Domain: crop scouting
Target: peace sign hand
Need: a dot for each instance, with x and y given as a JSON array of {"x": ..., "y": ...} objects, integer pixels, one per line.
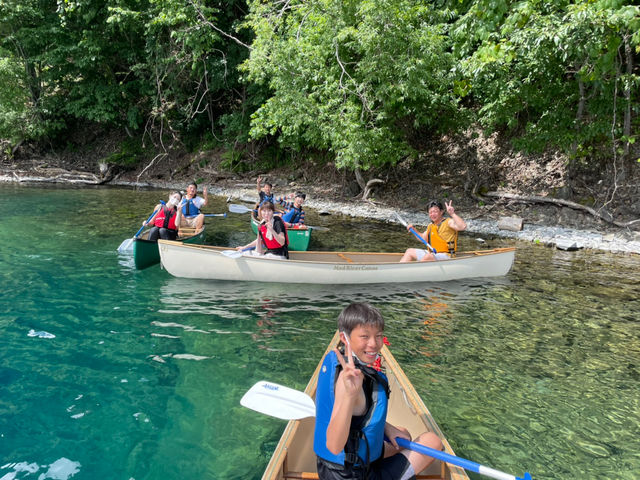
[
  {"x": 449, "y": 207},
  {"x": 349, "y": 381}
]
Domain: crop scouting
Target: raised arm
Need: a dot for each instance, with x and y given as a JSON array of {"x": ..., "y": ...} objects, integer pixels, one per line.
[
  {"x": 348, "y": 394},
  {"x": 457, "y": 223},
  {"x": 205, "y": 196}
]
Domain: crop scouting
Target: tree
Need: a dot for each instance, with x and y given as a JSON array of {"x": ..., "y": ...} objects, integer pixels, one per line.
[{"x": 356, "y": 78}]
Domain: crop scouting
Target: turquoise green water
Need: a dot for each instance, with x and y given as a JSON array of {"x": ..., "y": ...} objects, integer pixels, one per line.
[{"x": 536, "y": 371}]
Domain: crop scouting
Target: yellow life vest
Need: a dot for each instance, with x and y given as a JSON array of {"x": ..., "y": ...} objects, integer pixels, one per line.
[{"x": 442, "y": 237}]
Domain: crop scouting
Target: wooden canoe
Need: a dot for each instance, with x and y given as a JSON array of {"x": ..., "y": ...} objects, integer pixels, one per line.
[
  {"x": 145, "y": 252},
  {"x": 293, "y": 457},
  {"x": 299, "y": 238},
  {"x": 219, "y": 263}
]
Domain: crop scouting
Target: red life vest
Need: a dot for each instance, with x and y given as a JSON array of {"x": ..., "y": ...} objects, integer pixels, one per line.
[
  {"x": 166, "y": 218},
  {"x": 272, "y": 244}
]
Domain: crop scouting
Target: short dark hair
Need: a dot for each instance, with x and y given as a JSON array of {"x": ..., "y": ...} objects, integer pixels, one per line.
[
  {"x": 435, "y": 203},
  {"x": 359, "y": 314},
  {"x": 300, "y": 194},
  {"x": 268, "y": 183},
  {"x": 194, "y": 184}
]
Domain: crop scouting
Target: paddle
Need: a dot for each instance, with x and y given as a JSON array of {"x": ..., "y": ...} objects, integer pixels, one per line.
[
  {"x": 127, "y": 245},
  {"x": 236, "y": 253},
  {"x": 288, "y": 404},
  {"x": 224, "y": 215},
  {"x": 412, "y": 230},
  {"x": 235, "y": 208}
]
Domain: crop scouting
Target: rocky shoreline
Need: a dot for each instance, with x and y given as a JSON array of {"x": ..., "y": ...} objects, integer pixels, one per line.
[{"x": 620, "y": 241}]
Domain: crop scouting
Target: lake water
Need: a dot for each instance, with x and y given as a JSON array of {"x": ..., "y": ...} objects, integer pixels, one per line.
[{"x": 141, "y": 374}]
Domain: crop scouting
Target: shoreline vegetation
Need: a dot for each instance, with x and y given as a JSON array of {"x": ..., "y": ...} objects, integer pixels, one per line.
[{"x": 591, "y": 234}]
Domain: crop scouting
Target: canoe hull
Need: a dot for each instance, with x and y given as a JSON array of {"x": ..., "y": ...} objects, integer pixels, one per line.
[
  {"x": 294, "y": 457},
  {"x": 298, "y": 239},
  {"x": 146, "y": 254},
  {"x": 344, "y": 268}
]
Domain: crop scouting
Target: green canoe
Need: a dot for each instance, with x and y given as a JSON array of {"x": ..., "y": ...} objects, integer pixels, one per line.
[
  {"x": 145, "y": 252},
  {"x": 298, "y": 237}
]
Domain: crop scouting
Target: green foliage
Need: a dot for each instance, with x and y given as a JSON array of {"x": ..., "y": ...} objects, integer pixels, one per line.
[
  {"x": 360, "y": 81},
  {"x": 129, "y": 154},
  {"x": 354, "y": 77},
  {"x": 550, "y": 73}
]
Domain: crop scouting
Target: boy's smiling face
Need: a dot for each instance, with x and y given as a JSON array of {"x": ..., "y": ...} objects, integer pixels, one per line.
[{"x": 366, "y": 342}]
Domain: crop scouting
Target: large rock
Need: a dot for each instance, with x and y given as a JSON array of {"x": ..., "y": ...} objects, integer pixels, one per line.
[{"x": 513, "y": 224}]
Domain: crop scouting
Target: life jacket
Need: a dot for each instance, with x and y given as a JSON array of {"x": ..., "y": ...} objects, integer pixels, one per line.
[
  {"x": 440, "y": 244},
  {"x": 267, "y": 198},
  {"x": 272, "y": 244},
  {"x": 189, "y": 209},
  {"x": 366, "y": 439},
  {"x": 166, "y": 218},
  {"x": 293, "y": 215}
]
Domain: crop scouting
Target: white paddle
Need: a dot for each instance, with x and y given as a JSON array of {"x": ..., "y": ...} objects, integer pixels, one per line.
[
  {"x": 278, "y": 401},
  {"x": 235, "y": 208},
  {"x": 289, "y": 404}
]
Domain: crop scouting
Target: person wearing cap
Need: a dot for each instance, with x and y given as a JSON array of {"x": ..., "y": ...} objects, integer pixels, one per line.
[
  {"x": 191, "y": 205},
  {"x": 441, "y": 234},
  {"x": 165, "y": 219},
  {"x": 293, "y": 215}
]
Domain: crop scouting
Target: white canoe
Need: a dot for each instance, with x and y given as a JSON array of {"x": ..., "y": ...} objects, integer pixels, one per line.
[{"x": 215, "y": 263}]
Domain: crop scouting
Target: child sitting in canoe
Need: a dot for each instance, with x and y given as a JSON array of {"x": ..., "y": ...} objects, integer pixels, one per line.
[
  {"x": 265, "y": 194},
  {"x": 272, "y": 234},
  {"x": 165, "y": 219},
  {"x": 293, "y": 215},
  {"x": 352, "y": 438}
]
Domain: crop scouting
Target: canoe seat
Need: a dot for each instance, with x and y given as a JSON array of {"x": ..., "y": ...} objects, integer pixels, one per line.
[{"x": 186, "y": 232}]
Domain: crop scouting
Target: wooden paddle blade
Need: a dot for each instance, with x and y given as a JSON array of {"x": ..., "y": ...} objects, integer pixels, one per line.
[
  {"x": 278, "y": 401},
  {"x": 126, "y": 246},
  {"x": 235, "y": 208}
]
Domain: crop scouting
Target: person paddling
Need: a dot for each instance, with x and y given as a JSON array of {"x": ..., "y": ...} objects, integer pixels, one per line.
[
  {"x": 165, "y": 220},
  {"x": 441, "y": 234}
]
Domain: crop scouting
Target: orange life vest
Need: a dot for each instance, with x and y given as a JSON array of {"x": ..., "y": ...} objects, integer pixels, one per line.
[{"x": 443, "y": 242}]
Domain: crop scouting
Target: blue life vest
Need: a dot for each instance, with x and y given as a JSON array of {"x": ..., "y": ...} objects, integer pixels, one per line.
[
  {"x": 371, "y": 432},
  {"x": 189, "y": 209},
  {"x": 266, "y": 198},
  {"x": 293, "y": 215}
]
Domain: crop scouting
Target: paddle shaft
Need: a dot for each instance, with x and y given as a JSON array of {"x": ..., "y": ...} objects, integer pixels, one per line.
[
  {"x": 453, "y": 460},
  {"x": 148, "y": 220},
  {"x": 413, "y": 230}
]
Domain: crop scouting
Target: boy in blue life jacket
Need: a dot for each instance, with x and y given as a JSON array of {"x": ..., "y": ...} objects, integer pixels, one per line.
[
  {"x": 351, "y": 409},
  {"x": 293, "y": 215},
  {"x": 191, "y": 205}
]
